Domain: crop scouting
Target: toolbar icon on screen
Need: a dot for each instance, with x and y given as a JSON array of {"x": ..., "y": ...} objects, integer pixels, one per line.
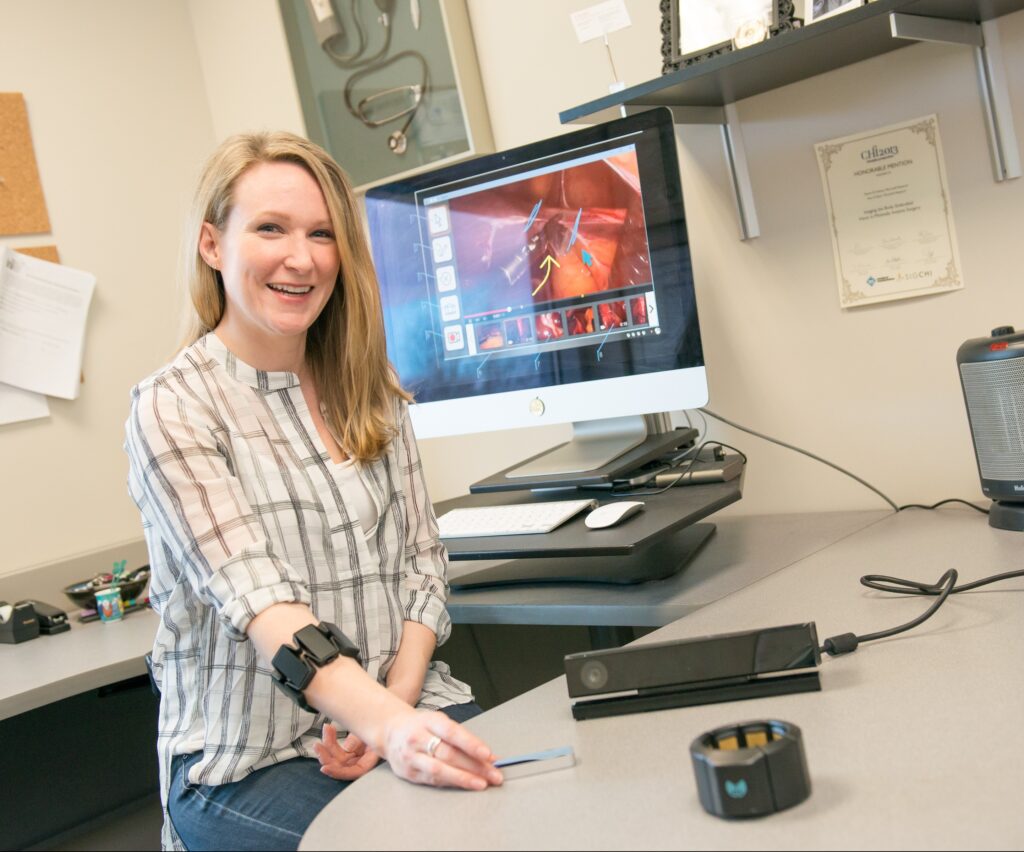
[{"x": 445, "y": 278}]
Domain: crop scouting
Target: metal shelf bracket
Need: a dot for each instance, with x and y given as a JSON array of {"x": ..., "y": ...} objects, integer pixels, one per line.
[
  {"x": 727, "y": 118},
  {"x": 736, "y": 156},
  {"x": 988, "y": 56}
]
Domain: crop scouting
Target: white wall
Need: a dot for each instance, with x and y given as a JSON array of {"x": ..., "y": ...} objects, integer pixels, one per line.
[
  {"x": 122, "y": 118},
  {"x": 120, "y": 123},
  {"x": 246, "y": 67}
]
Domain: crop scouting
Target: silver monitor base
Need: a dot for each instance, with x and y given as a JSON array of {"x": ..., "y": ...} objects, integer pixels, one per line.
[{"x": 594, "y": 444}]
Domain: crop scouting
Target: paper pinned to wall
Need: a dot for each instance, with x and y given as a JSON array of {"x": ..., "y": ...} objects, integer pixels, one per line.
[
  {"x": 599, "y": 20},
  {"x": 22, "y": 205},
  {"x": 49, "y": 253},
  {"x": 43, "y": 311},
  {"x": 17, "y": 405}
]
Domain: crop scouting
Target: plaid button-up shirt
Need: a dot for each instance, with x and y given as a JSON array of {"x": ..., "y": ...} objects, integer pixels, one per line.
[{"x": 242, "y": 508}]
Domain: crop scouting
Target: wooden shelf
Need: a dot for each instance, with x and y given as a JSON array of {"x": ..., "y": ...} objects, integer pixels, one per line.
[{"x": 792, "y": 56}]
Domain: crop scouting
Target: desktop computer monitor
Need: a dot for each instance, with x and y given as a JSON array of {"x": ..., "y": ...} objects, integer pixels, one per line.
[{"x": 551, "y": 283}]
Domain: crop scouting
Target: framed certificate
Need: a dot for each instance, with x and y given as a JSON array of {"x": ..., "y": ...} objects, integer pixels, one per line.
[{"x": 889, "y": 213}]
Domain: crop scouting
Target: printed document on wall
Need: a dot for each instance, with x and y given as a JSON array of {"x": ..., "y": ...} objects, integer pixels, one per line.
[
  {"x": 889, "y": 213},
  {"x": 43, "y": 310}
]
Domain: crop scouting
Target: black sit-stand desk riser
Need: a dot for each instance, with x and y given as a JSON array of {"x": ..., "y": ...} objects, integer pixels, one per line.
[{"x": 652, "y": 545}]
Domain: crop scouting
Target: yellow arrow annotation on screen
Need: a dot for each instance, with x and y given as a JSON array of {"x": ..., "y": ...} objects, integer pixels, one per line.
[{"x": 546, "y": 266}]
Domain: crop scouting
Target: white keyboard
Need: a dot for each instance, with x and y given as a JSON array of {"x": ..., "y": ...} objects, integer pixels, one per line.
[{"x": 523, "y": 519}]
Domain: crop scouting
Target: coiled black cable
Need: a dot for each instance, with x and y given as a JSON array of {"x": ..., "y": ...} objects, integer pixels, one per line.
[{"x": 845, "y": 643}]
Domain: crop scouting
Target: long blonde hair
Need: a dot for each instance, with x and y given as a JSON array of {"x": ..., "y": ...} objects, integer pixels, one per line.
[{"x": 345, "y": 347}]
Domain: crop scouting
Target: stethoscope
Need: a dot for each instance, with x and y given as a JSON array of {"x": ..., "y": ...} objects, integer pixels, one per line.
[{"x": 398, "y": 141}]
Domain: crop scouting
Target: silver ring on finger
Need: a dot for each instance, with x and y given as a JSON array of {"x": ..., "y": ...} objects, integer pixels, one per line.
[{"x": 432, "y": 745}]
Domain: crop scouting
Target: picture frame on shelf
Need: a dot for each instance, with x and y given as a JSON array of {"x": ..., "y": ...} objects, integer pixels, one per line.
[
  {"x": 696, "y": 30},
  {"x": 818, "y": 10}
]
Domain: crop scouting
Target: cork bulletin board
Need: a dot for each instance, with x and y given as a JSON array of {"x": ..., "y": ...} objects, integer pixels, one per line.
[
  {"x": 22, "y": 206},
  {"x": 42, "y": 252}
]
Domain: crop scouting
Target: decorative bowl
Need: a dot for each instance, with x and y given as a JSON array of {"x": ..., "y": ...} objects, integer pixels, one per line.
[{"x": 132, "y": 583}]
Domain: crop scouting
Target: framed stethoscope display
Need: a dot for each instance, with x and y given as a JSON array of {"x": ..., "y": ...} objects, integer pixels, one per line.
[{"x": 389, "y": 87}]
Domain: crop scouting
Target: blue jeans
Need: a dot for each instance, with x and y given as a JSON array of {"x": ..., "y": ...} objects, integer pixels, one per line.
[{"x": 268, "y": 809}]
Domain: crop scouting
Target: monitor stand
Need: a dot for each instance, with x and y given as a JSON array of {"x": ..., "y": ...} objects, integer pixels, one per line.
[{"x": 599, "y": 451}]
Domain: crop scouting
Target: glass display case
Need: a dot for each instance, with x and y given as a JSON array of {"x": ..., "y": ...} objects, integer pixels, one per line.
[{"x": 389, "y": 87}]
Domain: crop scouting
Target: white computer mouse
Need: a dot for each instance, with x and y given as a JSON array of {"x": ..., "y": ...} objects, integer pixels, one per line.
[{"x": 610, "y": 514}]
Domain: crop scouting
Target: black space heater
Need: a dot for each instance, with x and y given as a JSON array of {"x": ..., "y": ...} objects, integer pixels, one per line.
[{"x": 992, "y": 376}]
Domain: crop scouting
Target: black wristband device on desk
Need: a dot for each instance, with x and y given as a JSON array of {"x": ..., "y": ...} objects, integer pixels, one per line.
[{"x": 316, "y": 645}]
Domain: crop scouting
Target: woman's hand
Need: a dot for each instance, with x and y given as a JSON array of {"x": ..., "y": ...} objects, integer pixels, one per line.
[
  {"x": 427, "y": 747},
  {"x": 345, "y": 761}
]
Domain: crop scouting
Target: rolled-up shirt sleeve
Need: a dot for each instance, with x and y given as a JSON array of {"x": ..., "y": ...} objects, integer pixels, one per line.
[
  {"x": 425, "y": 580},
  {"x": 181, "y": 478}
]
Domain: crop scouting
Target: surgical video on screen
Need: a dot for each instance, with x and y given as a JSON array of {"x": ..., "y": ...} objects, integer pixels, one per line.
[{"x": 555, "y": 257}]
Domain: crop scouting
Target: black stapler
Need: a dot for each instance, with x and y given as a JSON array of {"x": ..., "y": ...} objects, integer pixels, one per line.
[{"x": 51, "y": 619}]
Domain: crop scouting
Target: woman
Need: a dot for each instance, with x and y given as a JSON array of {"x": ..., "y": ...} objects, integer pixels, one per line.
[{"x": 281, "y": 493}]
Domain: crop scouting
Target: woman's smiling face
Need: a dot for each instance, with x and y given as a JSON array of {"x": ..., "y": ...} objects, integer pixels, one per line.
[{"x": 277, "y": 255}]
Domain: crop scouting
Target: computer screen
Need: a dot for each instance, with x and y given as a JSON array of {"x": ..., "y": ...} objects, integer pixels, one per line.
[{"x": 546, "y": 284}]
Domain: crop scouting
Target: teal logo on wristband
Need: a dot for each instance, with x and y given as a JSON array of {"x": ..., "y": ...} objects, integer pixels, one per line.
[{"x": 736, "y": 790}]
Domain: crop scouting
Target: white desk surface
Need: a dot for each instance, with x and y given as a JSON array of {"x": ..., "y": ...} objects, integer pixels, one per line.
[
  {"x": 88, "y": 656},
  {"x": 914, "y": 741}
]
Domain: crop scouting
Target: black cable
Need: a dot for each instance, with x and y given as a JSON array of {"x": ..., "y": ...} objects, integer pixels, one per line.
[
  {"x": 842, "y": 470},
  {"x": 702, "y": 430},
  {"x": 345, "y": 60},
  {"x": 845, "y": 643},
  {"x": 974, "y": 506},
  {"x": 881, "y": 583},
  {"x": 356, "y": 58},
  {"x": 804, "y": 452},
  {"x": 689, "y": 460},
  {"x": 740, "y": 453}
]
